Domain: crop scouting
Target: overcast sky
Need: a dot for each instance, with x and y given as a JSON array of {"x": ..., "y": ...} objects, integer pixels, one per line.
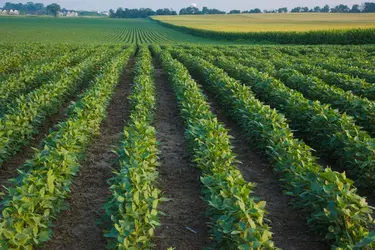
[{"x": 178, "y": 4}]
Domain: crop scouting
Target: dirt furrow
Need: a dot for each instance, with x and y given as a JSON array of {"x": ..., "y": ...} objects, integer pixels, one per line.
[
  {"x": 289, "y": 228},
  {"x": 184, "y": 226},
  {"x": 77, "y": 227}
]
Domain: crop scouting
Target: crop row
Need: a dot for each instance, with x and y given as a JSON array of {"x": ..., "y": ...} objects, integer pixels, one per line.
[
  {"x": 269, "y": 62},
  {"x": 358, "y": 68},
  {"x": 132, "y": 208},
  {"x": 333, "y": 134},
  {"x": 35, "y": 75},
  {"x": 362, "y": 109},
  {"x": 39, "y": 193},
  {"x": 327, "y": 198},
  {"x": 19, "y": 55},
  {"x": 236, "y": 217},
  {"x": 29, "y": 111},
  {"x": 342, "y": 55}
]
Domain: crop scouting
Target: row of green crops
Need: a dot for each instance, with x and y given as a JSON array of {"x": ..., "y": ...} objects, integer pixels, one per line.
[
  {"x": 350, "y": 55},
  {"x": 355, "y": 63},
  {"x": 39, "y": 193},
  {"x": 29, "y": 111},
  {"x": 362, "y": 109},
  {"x": 236, "y": 217},
  {"x": 35, "y": 75},
  {"x": 16, "y": 56},
  {"x": 362, "y": 67},
  {"x": 327, "y": 198},
  {"x": 132, "y": 209},
  {"x": 352, "y": 36},
  {"x": 341, "y": 80},
  {"x": 269, "y": 62},
  {"x": 331, "y": 133}
]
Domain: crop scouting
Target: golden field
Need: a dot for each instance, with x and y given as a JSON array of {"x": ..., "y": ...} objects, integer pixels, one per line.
[{"x": 273, "y": 22}]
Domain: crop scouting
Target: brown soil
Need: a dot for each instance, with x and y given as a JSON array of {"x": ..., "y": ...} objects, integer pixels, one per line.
[
  {"x": 289, "y": 228},
  {"x": 77, "y": 227},
  {"x": 9, "y": 168},
  {"x": 179, "y": 180}
]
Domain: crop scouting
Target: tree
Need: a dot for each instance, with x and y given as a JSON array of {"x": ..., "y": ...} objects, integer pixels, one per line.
[
  {"x": 112, "y": 13},
  {"x": 305, "y": 9},
  {"x": 119, "y": 13},
  {"x": 235, "y": 12},
  {"x": 256, "y": 10},
  {"x": 342, "y": 8},
  {"x": 296, "y": 9},
  {"x": 205, "y": 11},
  {"x": 190, "y": 11},
  {"x": 283, "y": 10},
  {"x": 325, "y": 8},
  {"x": 355, "y": 9},
  {"x": 54, "y": 9},
  {"x": 317, "y": 9},
  {"x": 39, "y": 8},
  {"x": 369, "y": 7}
]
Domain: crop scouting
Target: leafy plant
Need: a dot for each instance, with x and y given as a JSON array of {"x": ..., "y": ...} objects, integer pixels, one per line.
[
  {"x": 39, "y": 193},
  {"x": 327, "y": 198},
  {"x": 132, "y": 208},
  {"x": 29, "y": 111},
  {"x": 236, "y": 217},
  {"x": 333, "y": 134}
]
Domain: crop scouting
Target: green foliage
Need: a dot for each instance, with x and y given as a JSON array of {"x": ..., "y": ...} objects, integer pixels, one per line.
[
  {"x": 132, "y": 208},
  {"x": 237, "y": 218},
  {"x": 28, "y": 112},
  {"x": 54, "y": 9},
  {"x": 38, "y": 194},
  {"x": 314, "y": 88},
  {"x": 14, "y": 57},
  {"x": 34, "y": 74},
  {"x": 327, "y": 198},
  {"x": 333, "y": 134}
]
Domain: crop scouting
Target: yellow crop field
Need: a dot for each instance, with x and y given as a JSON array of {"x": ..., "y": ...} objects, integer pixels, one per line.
[{"x": 273, "y": 22}]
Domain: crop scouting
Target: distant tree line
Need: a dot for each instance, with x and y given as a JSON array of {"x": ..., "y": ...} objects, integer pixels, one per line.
[
  {"x": 139, "y": 13},
  {"x": 368, "y": 7},
  {"x": 40, "y": 9},
  {"x": 27, "y": 8},
  {"x": 195, "y": 11},
  {"x": 31, "y": 8}
]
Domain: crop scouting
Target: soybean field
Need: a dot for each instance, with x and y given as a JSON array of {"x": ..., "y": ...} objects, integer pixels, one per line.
[{"x": 129, "y": 134}]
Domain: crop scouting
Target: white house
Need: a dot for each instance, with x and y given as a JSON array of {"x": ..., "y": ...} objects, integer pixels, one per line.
[{"x": 72, "y": 14}]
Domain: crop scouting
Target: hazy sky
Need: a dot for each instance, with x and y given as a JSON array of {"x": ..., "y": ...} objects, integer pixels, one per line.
[{"x": 178, "y": 4}]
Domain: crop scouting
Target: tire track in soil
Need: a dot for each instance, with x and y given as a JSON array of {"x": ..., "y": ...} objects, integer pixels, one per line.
[
  {"x": 179, "y": 179},
  {"x": 289, "y": 228},
  {"x": 76, "y": 228},
  {"x": 9, "y": 168}
]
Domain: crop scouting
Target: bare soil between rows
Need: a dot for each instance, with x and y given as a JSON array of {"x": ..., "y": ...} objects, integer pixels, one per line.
[
  {"x": 179, "y": 180},
  {"x": 77, "y": 228}
]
